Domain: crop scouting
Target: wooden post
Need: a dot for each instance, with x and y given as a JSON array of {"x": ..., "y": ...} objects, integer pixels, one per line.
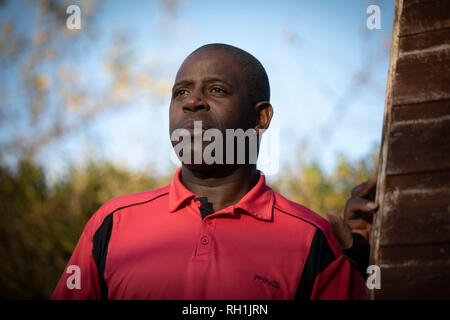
[{"x": 411, "y": 236}]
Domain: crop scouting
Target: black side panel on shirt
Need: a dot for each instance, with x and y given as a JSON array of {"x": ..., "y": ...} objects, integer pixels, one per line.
[
  {"x": 99, "y": 251},
  {"x": 320, "y": 256}
]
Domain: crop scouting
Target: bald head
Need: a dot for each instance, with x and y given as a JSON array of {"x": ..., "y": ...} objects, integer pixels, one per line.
[{"x": 252, "y": 71}]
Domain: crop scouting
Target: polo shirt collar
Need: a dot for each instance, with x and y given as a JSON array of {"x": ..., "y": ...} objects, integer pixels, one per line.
[
  {"x": 258, "y": 202},
  {"x": 178, "y": 194}
]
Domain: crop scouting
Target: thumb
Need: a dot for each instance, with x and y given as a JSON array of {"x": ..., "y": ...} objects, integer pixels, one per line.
[
  {"x": 330, "y": 214},
  {"x": 334, "y": 218},
  {"x": 340, "y": 229}
]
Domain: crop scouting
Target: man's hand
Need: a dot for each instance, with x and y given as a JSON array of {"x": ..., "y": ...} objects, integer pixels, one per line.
[{"x": 358, "y": 214}]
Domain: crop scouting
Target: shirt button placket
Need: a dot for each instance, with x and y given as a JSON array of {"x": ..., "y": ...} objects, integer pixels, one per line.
[
  {"x": 204, "y": 244},
  {"x": 204, "y": 240}
]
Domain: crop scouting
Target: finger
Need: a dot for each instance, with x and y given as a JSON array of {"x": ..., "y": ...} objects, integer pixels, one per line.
[
  {"x": 364, "y": 233},
  {"x": 360, "y": 204},
  {"x": 333, "y": 217},
  {"x": 357, "y": 224},
  {"x": 366, "y": 187},
  {"x": 357, "y": 204},
  {"x": 363, "y": 229},
  {"x": 340, "y": 229}
]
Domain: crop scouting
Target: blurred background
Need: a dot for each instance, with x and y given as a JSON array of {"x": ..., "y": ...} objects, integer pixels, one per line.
[{"x": 84, "y": 113}]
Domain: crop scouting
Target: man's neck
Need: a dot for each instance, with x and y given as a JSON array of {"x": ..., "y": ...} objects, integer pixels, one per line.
[{"x": 222, "y": 189}]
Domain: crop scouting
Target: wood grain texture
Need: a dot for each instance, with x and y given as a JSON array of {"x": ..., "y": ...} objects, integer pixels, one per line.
[
  {"x": 422, "y": 42},
  {"x": 422, "y": 76},
  {"x": 420, "y": 16},
  {"x": 413, "y": 255},
  {"x": 427, "y": 111},
  {"x": 415, "y": 272},
  {"x": 416, "y": 209},
  {"x": 419, "y": 138},
  {"x": 415, "y": 282}
]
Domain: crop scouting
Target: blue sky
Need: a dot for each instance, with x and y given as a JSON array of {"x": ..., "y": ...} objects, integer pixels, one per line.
[{"x": 311, "y": 50}]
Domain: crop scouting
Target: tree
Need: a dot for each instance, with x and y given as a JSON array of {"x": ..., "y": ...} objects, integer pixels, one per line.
[{"x": 45, "y": 95}]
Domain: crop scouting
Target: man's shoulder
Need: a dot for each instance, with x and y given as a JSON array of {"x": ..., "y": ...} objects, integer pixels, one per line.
[
  {"x": 299, "y": 211},
  {"x": 127, "y": 200},
  {"x": 304, "y": 216},
  {"x": 123, "y": 202}
]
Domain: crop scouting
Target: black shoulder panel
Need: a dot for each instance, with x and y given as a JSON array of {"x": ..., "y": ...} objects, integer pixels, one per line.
[
  {"x": 99, "y": 251},
  {"x": 320, "y": 256}
]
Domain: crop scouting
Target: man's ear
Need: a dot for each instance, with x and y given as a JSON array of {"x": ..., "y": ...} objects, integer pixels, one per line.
[{"x": 264, "y": 112}]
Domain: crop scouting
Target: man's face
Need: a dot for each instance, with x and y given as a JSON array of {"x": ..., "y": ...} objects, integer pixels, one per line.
[{"x": 209, "y": 87}]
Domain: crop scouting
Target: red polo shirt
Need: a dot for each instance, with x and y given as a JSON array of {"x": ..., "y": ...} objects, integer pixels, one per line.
[{"x": 156, "y": 245}]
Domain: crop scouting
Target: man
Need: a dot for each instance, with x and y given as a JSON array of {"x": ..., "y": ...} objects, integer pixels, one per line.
[{"x": 217, "y": 231}]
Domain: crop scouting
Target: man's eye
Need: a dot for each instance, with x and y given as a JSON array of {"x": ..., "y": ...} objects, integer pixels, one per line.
[
  {"x": 217, "y": 89},
  {"x": 180, "y": 92}
]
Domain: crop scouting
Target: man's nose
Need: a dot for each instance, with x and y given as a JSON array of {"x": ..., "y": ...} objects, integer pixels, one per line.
[{"x": 195, "y": 103}]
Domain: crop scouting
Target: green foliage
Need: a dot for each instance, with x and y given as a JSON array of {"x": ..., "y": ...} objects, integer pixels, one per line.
[
  {"x": 309, "y": 185},
  {"x": 41, "y": 223}
]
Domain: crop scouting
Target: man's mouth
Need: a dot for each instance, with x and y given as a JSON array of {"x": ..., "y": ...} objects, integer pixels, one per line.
[
  {"x": 196, "y": 127},
  {"x": 195, "y": 132}
]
